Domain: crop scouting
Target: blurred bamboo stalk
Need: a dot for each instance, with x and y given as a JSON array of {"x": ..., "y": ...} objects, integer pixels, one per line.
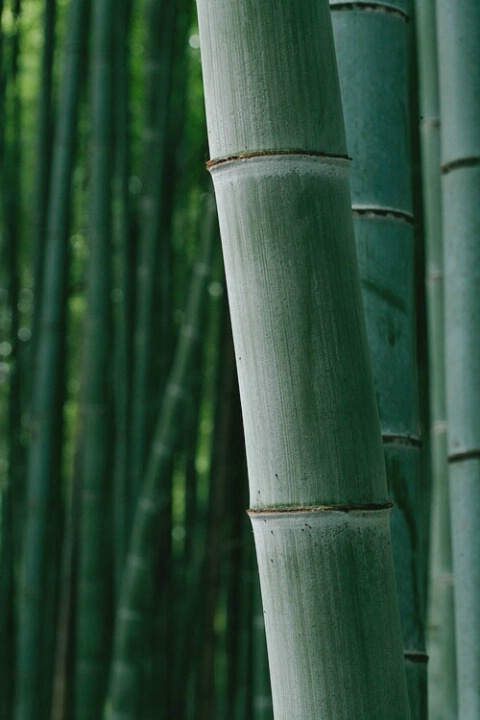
[
  {"x": 372, "y": 54},
  {"x": 47, "y": 395},
  {"x": 440, "y": 627},
  {"x": 152, "y": 268},
  {"x": 458, "y": 40},
  {"x": 11, "y": 485},
  {"x": 93, "y": 606},
  {"x": 137, "y": 584},
  {"x": 43, "y": 166},
  {"x": 123, "y": 279}
]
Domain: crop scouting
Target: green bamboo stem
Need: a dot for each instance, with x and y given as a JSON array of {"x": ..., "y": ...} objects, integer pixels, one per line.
[
  {"x": 7, "y": 615},
  {"x": 245, "y": 575},
  {"x": 62, "y": 694},
  {"x": 160, "y": 18},
  {"x": 185, "y": 582},
  {"x": 316, "y": 469},
  {"x": 458, "y": 38},
  {"x": 94, "y": 580},
  {"x": 43, "y": 153},
  {"x": 262, "y": 693},
  {"x": 372, "y": 55},
  {"x": 139, "y": 570},
  {"x": 440, "y": 627},
  {"x": 123, "y": 282},
  {"x": 43, "y": 461},
  {"x": 10, "y": 250}
]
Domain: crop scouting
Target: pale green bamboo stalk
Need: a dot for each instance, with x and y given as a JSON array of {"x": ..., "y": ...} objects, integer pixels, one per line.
[
  {"x": 458, "y": 26},
  {"x": 317, "y": 482},
  {"x": 94, "y": 579},
  {"x": 372, "y": 54},
  {"x": 47, "y": 386},
  {"x": 440, "y": 626},
  {"x": 135, "y": 595}
]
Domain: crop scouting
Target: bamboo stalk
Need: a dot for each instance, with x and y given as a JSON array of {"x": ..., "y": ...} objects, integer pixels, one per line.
[
  {"x": 123, "y": 282},
  {"x": 44, "y": 455},
  {"x": 317, "y": 484},
  {"x": 125, "y": 676},
  {"x": 458, "y": 38},
  {"x": 42, "y": 174},
  {"x": 440, "y": 627},
  {"x": 10, "y": 250},
  {"x": 94, "y": 579},
  {"x": 372, "y": 55},
  {"x": 152, "y": 246}
]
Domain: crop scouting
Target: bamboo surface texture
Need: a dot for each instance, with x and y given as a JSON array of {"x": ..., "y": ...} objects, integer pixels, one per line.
[
  {"x": 317, "y": 486},
  {"x": 442, "y": 700},
  {"x": 372, "y": 53},
  {"x": 458, "y": 26}
]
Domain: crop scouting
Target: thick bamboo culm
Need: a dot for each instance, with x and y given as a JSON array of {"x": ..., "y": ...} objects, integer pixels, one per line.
[
  {"x": 371, "y": 41},
  {"x": 318, "y": 494},
  {"x": 458, "y": 26},
  {"x": 442, "y": 694}
]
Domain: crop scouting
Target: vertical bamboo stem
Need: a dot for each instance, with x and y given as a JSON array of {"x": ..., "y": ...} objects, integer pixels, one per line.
[
  {"x": 372, "y": 53},
  {"x": 10, "y": 250},
  {"x": 94, "y": 581},
  {"x": 123, "y": 283},
  {"x": 458, "y": 26},
  {"x": 317, "y": 483},
  {"x": 44, "y": 455},
  {"x": 135, "y": 594},
  {"x": 42, "y": 174},
  {"x": 160, "y": 31},
  {"x": 440, "y": 627}
]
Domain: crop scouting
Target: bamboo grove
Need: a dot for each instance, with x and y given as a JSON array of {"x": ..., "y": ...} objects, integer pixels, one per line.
[{"x": 343, "y": 150}]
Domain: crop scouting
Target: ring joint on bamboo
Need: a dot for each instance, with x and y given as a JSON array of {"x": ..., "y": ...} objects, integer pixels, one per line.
[
  {"x": 440, "y": 427},
  {"x": 240, "y": 157},
  {"x": 383, "y": 212},
  {"x": 370, "y": 7},
  {"x": 434, "y": 277},
  {"x": 392, "y": 439},
  {"x": 464, "y": 455},
  {"x": 459, "y": 164},
  {"x": 415, "y": 656},
  {"x": 430, "y": 123},
  {"x": 282, "y": 510}
]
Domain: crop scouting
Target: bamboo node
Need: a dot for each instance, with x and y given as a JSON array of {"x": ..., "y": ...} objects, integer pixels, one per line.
[
  {"x": 416, "y": 656},
  {"x": 460, "y": 163},
  {"x": 370, "y": 7},
  {"x": 473, "y": 454},
  {"x": 212, "y": 164},
  {"x": 282, "y": 509},
  {"x": 382, "y": 212},
  {"x": 392, "y": 439}
]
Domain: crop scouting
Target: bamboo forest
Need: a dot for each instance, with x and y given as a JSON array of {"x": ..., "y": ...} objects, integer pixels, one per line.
[{"x": 239, "y": 360}]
